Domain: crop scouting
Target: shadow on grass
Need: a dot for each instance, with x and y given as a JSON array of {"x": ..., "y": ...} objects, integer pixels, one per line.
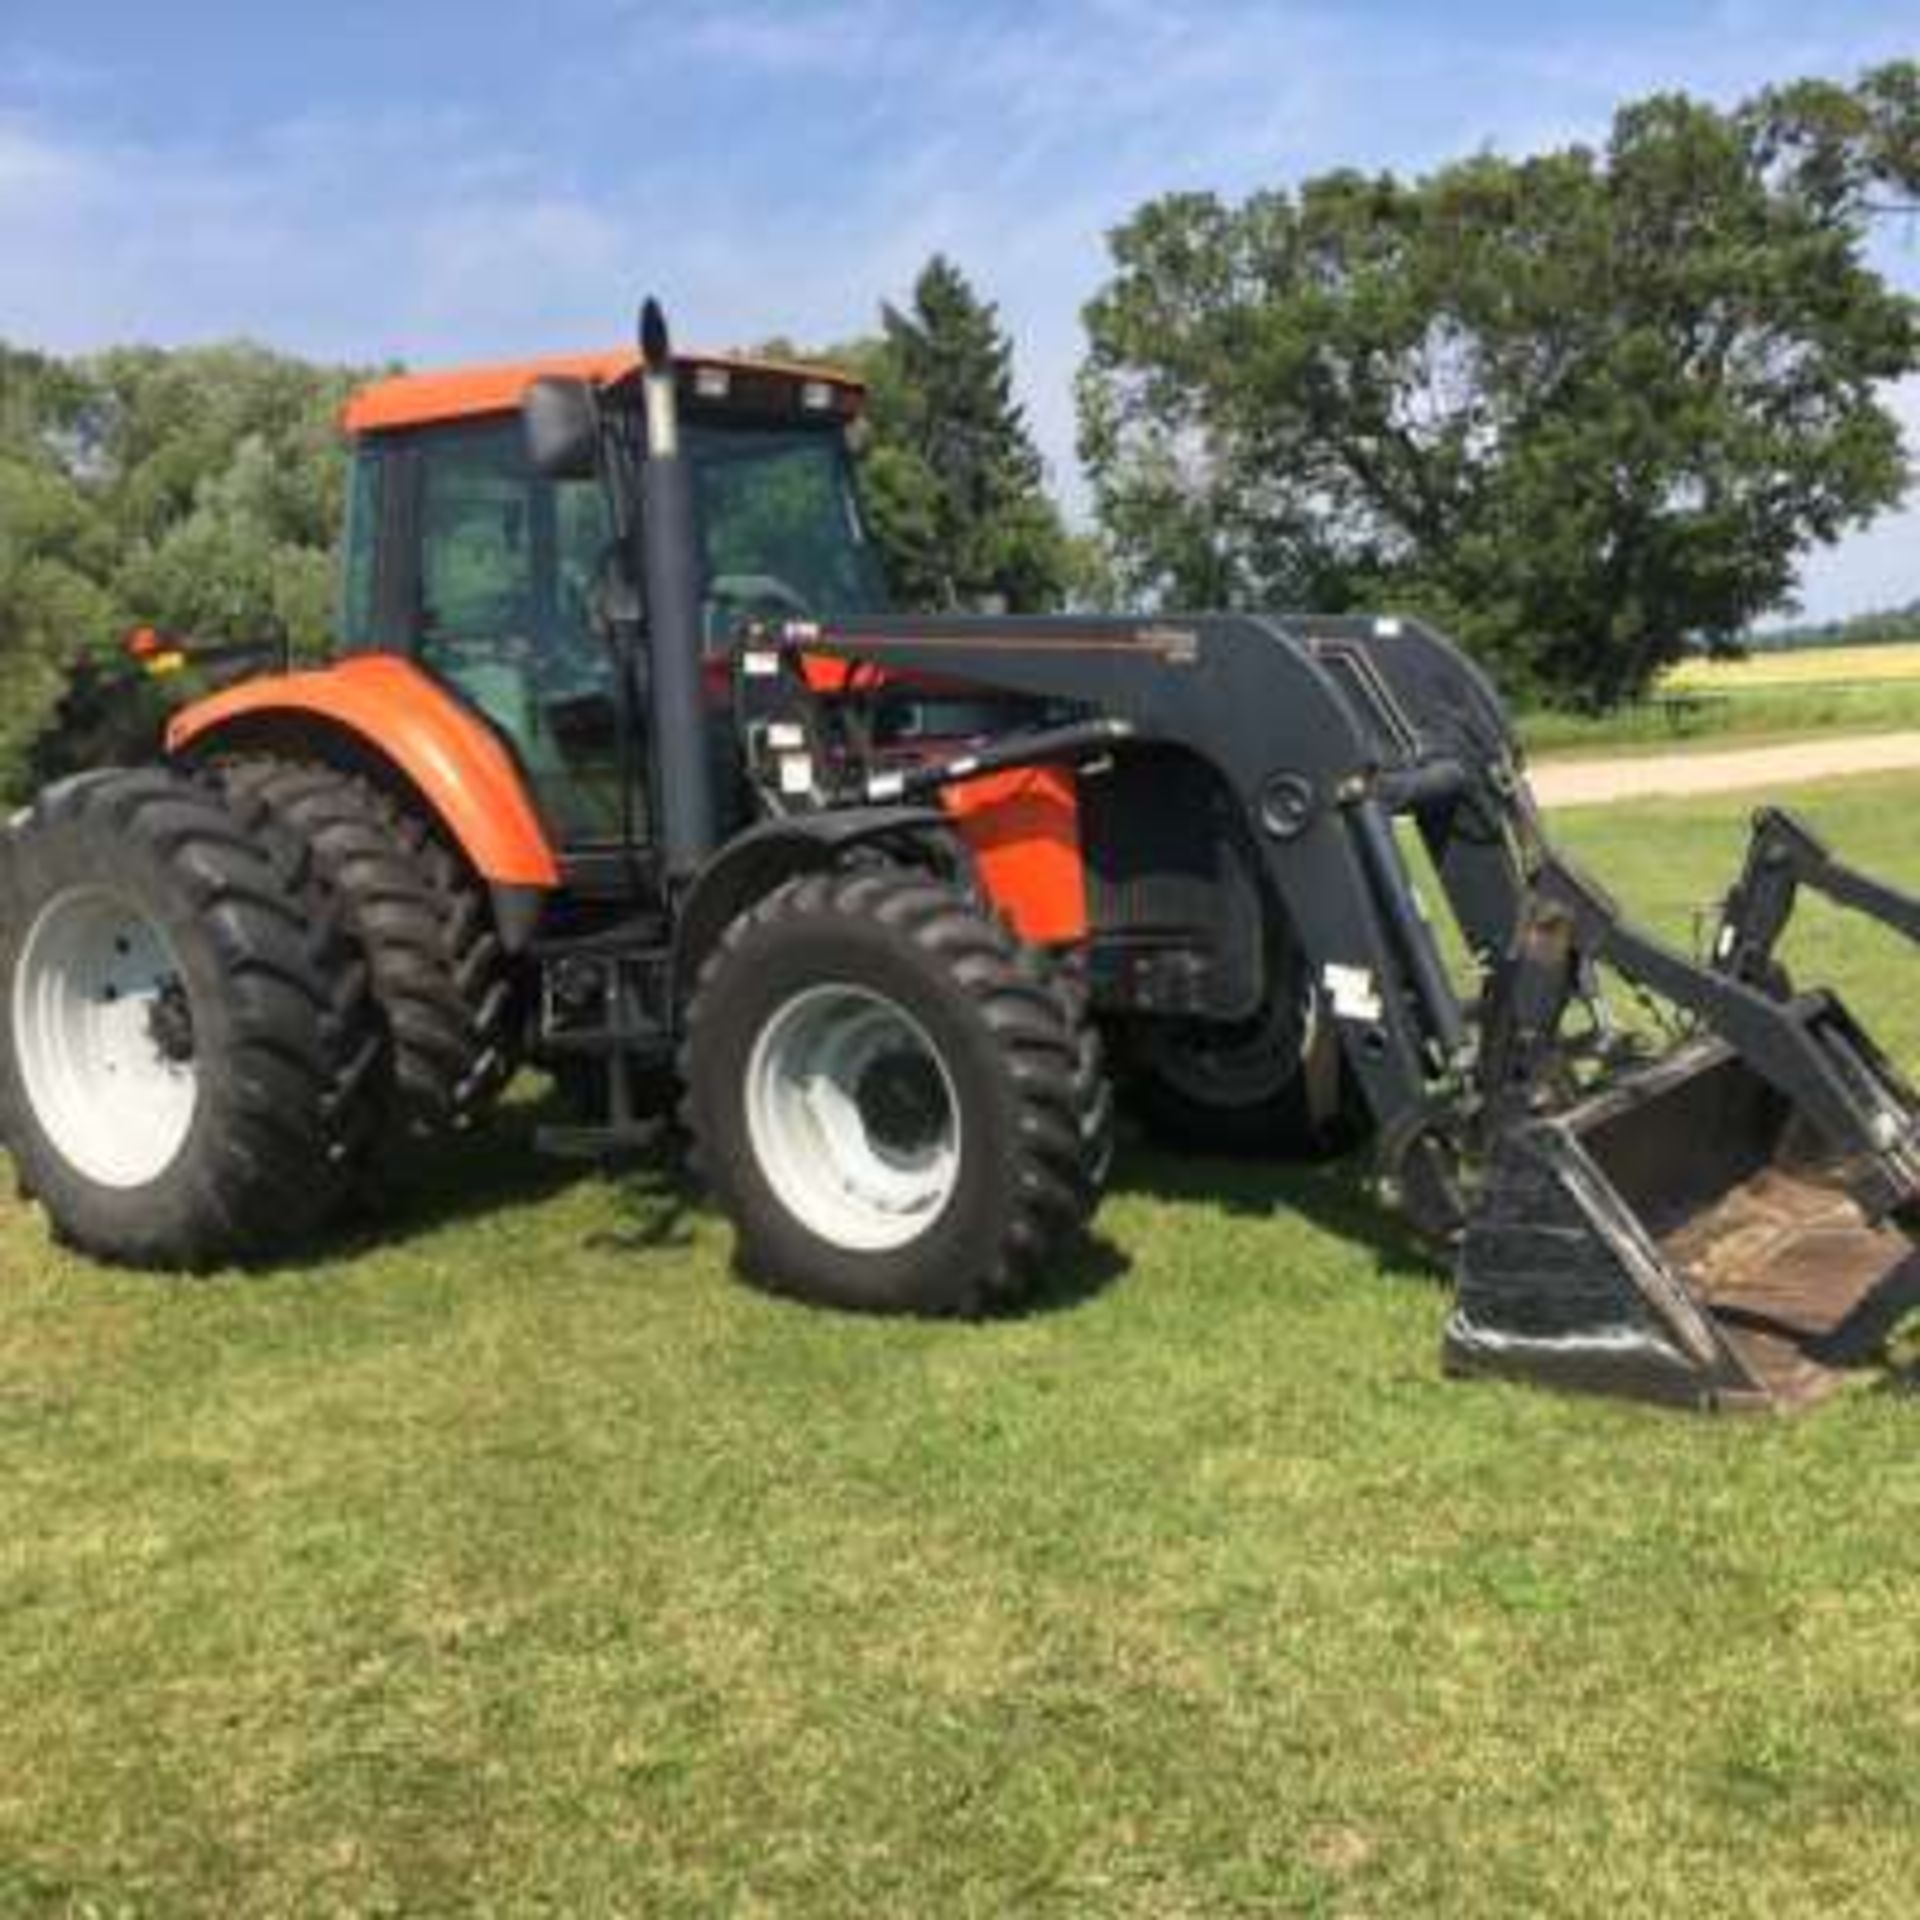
[
  {"x": 1094, "y": 1265},
  {"x": 472, "y": 1176},
  {"x": 1331, "y": 1194},
  {"x": 496, "y": 1170},
  {"x": 657, "y": 1202}
]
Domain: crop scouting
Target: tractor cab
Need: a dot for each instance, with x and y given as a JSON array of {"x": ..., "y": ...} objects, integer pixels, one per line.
[{"x": 505, "y": 583}]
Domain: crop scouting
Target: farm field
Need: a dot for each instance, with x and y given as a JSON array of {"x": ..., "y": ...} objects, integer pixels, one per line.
[
  {"x": 1824, "y": 666},
  {"x": 516, "y": 1560},
  {"x": 1779, "y": 696}
]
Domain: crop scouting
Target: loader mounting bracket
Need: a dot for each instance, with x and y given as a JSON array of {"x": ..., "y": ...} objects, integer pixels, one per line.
[{"x": 1784, "y": 855}]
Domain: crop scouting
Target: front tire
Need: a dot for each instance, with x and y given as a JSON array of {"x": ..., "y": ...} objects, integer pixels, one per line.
[
  {"x": 897, "y": 1113},
  {"x": 190, "y": 1063}
]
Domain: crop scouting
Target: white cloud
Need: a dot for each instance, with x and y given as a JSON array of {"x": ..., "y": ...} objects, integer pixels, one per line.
[
  {"x": 35, "y": 73},
  {"x": 31, "y": 170},
  {"x": 848, "y": 37},
  {"x": 781, "y": 165}
]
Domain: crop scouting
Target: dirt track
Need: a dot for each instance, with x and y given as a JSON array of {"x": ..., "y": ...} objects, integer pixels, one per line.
[{"x": 1589, "y": 783}]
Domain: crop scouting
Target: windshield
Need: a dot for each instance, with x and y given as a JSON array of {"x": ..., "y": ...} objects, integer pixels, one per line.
[{"x": 780, "y": 527}]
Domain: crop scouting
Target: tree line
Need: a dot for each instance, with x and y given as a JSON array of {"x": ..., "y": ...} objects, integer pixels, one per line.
[
  {"x": 1880, "y": 627},
  {"x": 198, "y": 490},
  {"x": 1586, "y": 409}
]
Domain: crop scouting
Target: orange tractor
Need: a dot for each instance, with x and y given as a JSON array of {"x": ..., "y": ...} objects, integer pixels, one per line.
[{"x": 622, "y": 768}]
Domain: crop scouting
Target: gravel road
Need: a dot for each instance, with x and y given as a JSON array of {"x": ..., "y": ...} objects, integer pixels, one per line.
[{"x": 1593, "y": 783}]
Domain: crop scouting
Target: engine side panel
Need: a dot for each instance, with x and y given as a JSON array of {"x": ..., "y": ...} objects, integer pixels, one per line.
[
  {"x": 1023, "y": 829},
  {"x": 1177, "y": 925}
]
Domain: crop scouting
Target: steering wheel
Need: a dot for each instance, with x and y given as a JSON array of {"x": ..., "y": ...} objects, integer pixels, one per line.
[{"x": 758, "y": 590}]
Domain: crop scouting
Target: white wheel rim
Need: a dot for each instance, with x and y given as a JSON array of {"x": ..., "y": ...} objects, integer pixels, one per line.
[
  {"x": 852, "y": 1117},
  {"x": 103, "y": 1037}
]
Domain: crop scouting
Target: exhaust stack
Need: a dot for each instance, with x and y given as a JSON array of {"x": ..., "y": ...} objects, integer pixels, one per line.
[{"x": 684, "y": 801}]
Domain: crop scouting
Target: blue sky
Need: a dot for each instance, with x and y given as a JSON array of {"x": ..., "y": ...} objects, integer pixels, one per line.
[{"x": 438, "y": 181}]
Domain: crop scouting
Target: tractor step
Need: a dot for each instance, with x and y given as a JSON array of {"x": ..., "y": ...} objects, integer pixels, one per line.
[
  {"x": 600, "y": 1144},
  {"x": 607, "y": 994},
  {"x": 640, "y": 939},
  {"x": 647, "y": 1046},
  {"x": 606, "y": 997}
]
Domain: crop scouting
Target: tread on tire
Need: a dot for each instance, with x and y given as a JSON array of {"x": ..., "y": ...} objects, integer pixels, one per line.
[
  {"x": 1020, "y": 1061},
  {"x": 288, "y": 1056},
  {"x": 439, "y": 972}
]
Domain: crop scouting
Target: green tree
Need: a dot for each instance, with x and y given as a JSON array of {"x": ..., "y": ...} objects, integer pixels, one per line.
[
  {"x": 196, "y": 490},
  {"x": 954, "y": 485},
  {"x": 1584, "y": 408},
  {"x": 56, "y": 551},
  {"x": 222, "y": 476}
]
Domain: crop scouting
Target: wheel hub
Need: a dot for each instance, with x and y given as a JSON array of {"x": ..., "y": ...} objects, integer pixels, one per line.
[
  {"x": 170, "y": 1023},
  {"x": 903, "y": 1104},
  {"x": 852, "y": 1117}
]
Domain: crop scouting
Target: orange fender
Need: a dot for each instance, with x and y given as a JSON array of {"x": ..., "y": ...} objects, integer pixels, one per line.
[{"x": 386, "y": 704}]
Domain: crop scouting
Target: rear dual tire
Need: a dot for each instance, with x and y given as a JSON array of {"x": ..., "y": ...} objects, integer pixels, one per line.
[
  {"x": 425, "y": 927},
  {"x": 191, "y": 1067},
  {"x": 897, "y": 1107}
]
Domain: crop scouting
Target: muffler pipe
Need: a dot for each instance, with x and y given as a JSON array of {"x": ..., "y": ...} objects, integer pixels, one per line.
[{"x": 683, "y": 777}]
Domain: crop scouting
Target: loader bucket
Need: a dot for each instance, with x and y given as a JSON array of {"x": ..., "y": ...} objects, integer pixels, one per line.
[{"x": 1679, "y": 1235}]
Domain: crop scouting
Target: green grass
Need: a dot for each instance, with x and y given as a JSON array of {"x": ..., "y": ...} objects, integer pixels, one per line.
[
  {"x": 1748, "y": 715},
  {"x": 520, "y": 1561}
]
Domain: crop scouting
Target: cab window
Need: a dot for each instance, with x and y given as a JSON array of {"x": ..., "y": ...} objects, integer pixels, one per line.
[
  {"x": 365, "y": 501},
  {"x": 508, "y": 566}
]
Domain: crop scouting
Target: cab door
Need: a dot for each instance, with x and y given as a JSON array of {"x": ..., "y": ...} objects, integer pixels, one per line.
[{"x": 509, "y": 566}]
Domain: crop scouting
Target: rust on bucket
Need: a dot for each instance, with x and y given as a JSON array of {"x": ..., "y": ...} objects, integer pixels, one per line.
[{"x": 1680, "y": 1236}]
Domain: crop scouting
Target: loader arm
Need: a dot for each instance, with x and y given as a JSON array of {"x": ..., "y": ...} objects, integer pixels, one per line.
[
  {"x": 1806, "y": 1048},
  {"x": 1324, "y": 731},
  {"x": 1719, "y": 1223}
]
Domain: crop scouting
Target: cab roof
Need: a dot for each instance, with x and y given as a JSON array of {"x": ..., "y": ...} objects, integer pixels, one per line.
[{"x": 465, "y": 393}]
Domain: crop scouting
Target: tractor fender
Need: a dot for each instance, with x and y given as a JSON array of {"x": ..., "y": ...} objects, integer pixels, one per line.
[
  {"x": 381, "y": 712},
  {"x": 751, "y": 866}
]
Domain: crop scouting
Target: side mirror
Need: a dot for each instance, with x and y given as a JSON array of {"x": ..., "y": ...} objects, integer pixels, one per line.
[{"x": 561, "y": 419}]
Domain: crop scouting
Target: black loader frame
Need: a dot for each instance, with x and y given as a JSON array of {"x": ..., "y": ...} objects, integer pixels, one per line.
[{"x": 1590, "y": 1185}]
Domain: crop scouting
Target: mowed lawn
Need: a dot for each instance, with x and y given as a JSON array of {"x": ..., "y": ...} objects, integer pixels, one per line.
[{"x": 517, "y": 1560}]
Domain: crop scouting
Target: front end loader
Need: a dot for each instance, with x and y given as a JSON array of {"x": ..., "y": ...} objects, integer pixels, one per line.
[
  {"x": 1723, "y": 1219},
  {"x": 1728, "y": 1219},
  {"x": 623, "y": 769}
]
